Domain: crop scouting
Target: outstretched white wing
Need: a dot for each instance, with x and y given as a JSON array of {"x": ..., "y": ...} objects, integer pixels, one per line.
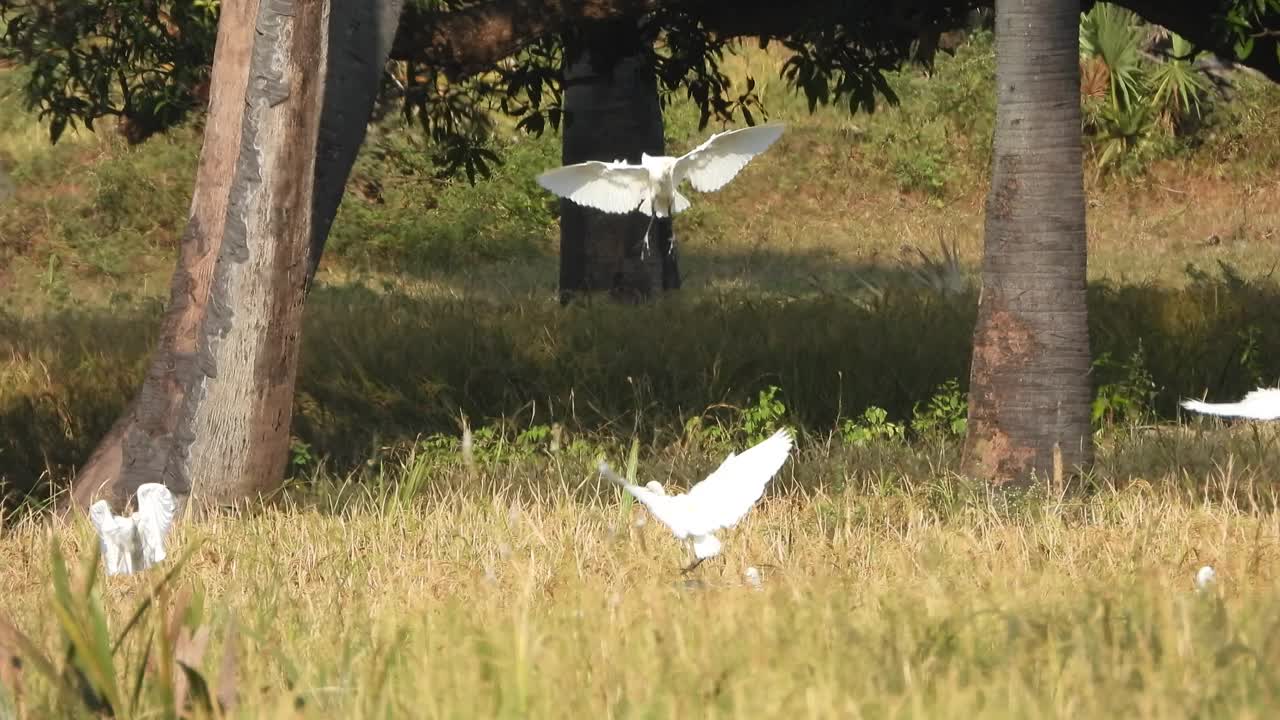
[
  {"x": 727, "y": 494},
  {"x": 614, "y": 187},
  {"x": 715, "y": 162},
  {"x": 666, "y": 508},
  {"x": 156, "y": 509},
  {"x": 723, "y": 498},
  {"x": 117, "y": 536},
  {"x": 1261, "y": 404}
]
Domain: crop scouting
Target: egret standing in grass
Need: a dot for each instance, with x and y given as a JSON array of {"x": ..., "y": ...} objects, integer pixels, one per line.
[
  {"x": 134, "y": 543},
  {"x": 719, "y": 501},
  {"x": 1261, "y": 404},
  {"x": 652, "y": 187}
]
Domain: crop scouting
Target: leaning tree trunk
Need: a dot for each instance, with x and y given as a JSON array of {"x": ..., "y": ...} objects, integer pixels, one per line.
[
  {"x": 1029, "y": 388},
  {"x": 211, "y": 420},
  {"x": 611, "y": 112}
]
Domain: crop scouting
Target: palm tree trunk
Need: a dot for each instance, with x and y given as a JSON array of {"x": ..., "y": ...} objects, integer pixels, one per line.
[
  {"x": 1029, "y": 388},
  {"x": 211, "y": 420},
  {"x": 611, "y": 112}
]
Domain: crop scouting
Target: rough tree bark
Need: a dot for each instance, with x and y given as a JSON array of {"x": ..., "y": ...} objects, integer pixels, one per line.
[
  {"x": 611, "y": 112},
  {"x": 211, "y": 420},
  {"x": 1029, "y": 387}
]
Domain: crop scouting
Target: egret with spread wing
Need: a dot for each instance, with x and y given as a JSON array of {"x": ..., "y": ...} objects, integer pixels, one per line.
[
  {"x": 719, "y": 501},
  {"x": 653, "y": 186},
  {"x": 134, "y": 543},
  {"x": 1263, "y": 404}
]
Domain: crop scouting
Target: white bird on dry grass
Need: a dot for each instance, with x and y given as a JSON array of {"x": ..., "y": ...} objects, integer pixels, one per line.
[
  {"x": 653, "y": 186},
  {"x": 1205, "y": 578},
  {"x": 1261, "y": 404},
  {"x": 719, "y": 501},
  {"x": 134, "y": 543}
]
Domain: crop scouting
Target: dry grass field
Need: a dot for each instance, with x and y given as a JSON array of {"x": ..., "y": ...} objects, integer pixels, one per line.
[{"x": 395, "y": 579}]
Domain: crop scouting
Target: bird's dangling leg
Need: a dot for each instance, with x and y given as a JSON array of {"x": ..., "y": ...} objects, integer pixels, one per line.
[{"x": 644, "y": 249}]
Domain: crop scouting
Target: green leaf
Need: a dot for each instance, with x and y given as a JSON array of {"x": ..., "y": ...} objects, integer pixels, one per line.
[
  {"x": 1244, "y": 48},
  {"x": 56, "y": 127},
  {"x": 633, "y": 468}
]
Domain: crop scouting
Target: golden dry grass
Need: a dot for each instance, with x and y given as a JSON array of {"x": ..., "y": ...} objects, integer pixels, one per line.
[
  {"x": 522, "y": 591},
  {"x": 893, "y": 588}
]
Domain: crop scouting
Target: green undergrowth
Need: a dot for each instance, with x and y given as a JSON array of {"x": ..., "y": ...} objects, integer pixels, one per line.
[
  {"x": 95, "y": 220},
  {"x": 879, "y": 365}
]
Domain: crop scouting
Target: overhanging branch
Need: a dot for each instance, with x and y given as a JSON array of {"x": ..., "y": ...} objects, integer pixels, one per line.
[
  {"x": 470, "y": 40},
  {"x": 1193, "y": 22}
]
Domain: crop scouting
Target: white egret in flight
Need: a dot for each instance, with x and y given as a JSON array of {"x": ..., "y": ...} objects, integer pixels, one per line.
[
  {"x": 653, "y": 186},
  {"x": 1262, "y": 404},
  {"x": 719, "y": 501},
  {"x": 134, "y": 543}
]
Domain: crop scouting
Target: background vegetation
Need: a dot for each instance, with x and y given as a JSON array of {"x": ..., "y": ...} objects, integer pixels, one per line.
[
  {"x": 823, "y": 272},
  {"x": 830, "y": 288}
]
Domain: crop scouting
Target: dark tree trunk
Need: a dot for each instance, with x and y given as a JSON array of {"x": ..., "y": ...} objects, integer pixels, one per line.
[
  {"x": 611, "y": 112},
  {"x": 211, "y": 421},
  {"x": 1029, "y": 390},
  {"x": 361, "y": 34}
]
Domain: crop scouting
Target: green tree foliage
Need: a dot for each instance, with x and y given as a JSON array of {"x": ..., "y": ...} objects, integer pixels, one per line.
[
  {"x": 1246, "y": 21},
  {"x": 1139, "y": 85},
  {"x": 142, "y": 61},
  {"x": 147, "y": 61}
]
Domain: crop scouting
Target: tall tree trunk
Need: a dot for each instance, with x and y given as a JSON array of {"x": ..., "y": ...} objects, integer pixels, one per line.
[
  {"x": 361, "y": 34},
  {"x": 1029, "y": 389},
  {"x": 611, "y": 112},
  {"x": 211, "y": 420}
]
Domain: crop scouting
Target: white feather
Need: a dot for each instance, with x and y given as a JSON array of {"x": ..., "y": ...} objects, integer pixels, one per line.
[
  {"x": 156, "y": 509},
  {"x": 711, "y": 165},
  {"x": 719, "y": 501},
  {"x": 1262, "y": 404},
  {"x": 117, "y": 536},
  {"x": 614, "y": 187},
  {"x": 1205, "y": 577},
  {"x": 652, "y": 187},
  {"x": 134, "y": 543}
]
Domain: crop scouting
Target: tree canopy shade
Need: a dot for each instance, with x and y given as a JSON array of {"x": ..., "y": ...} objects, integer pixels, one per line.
[
  {"x": 147, "y": 61},
  {"x": 477, "y": 35}
]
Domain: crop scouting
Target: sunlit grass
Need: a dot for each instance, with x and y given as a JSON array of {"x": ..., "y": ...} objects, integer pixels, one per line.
[
  {"x": 840, "y": 196},
  {"x": 395, "y": 580},
  {"x": 520, "y": 589}
]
